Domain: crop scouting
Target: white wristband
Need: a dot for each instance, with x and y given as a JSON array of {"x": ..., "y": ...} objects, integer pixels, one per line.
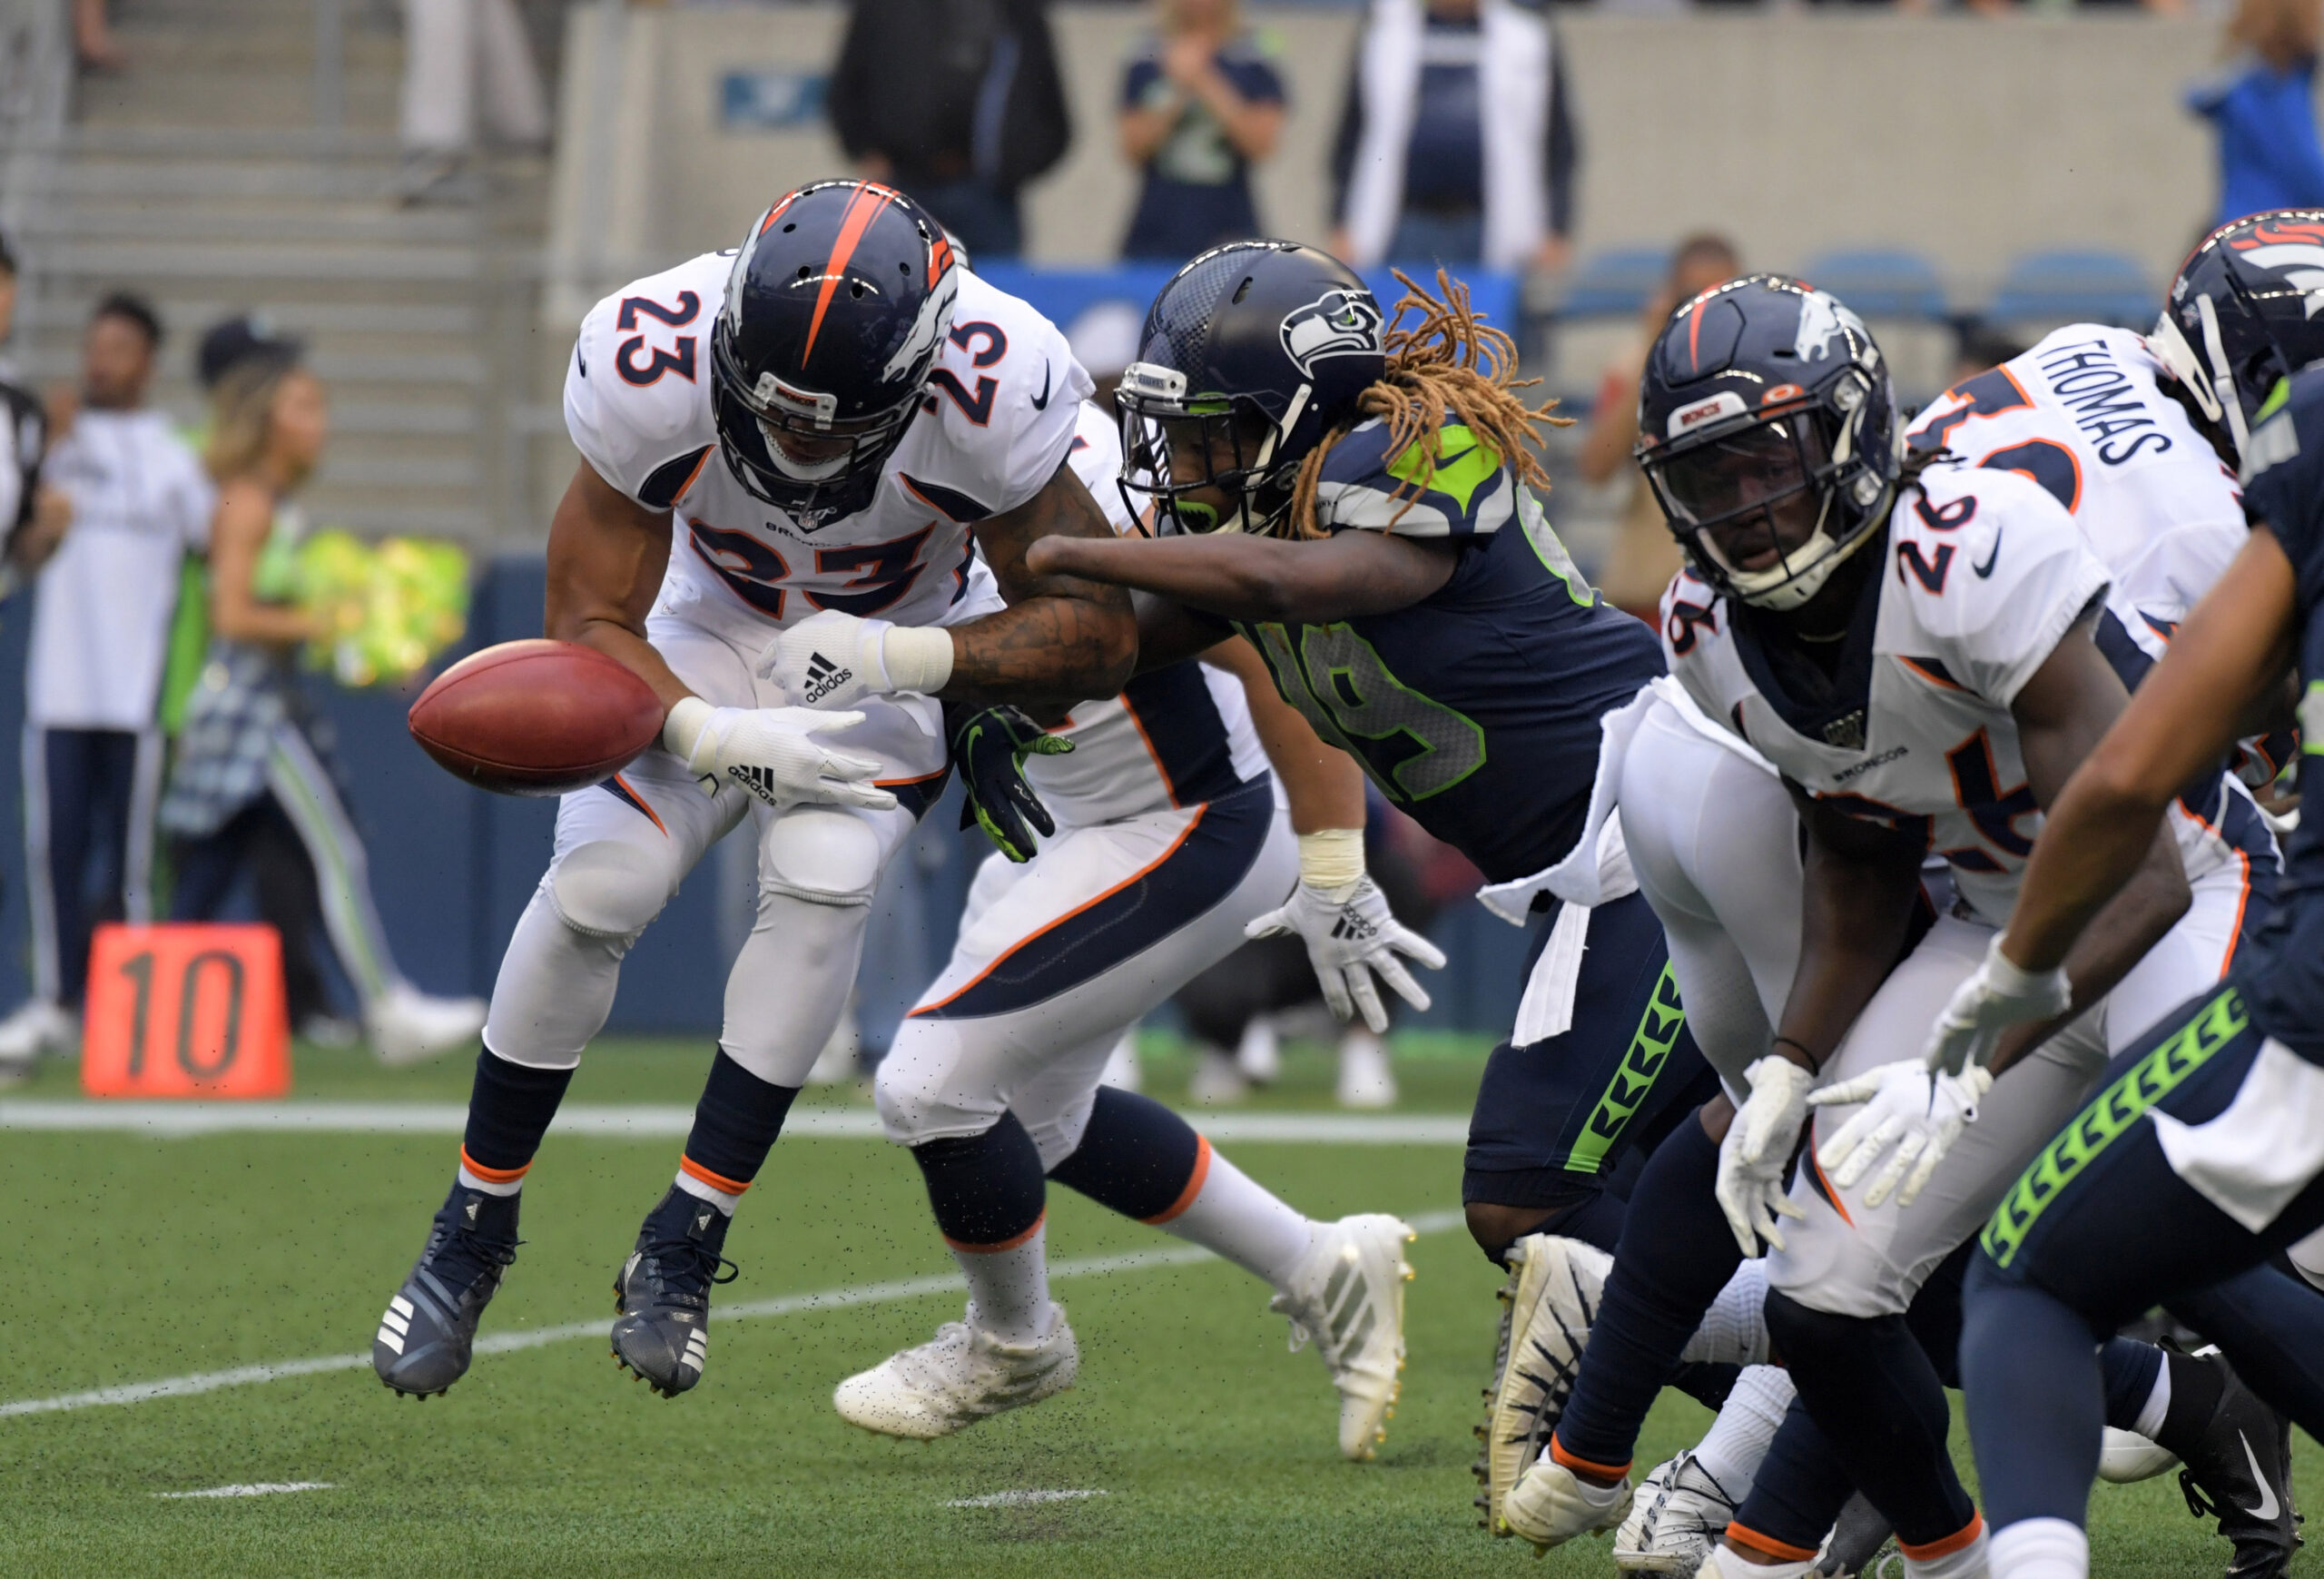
[
  {"x": 1332, "y": 858},
  {"x": 683, "y": 729},
  {"x": 917, "y": 658}
]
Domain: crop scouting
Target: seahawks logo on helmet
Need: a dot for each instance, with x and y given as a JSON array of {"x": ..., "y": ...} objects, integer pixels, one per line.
[{"x": 1336, "y": 323}]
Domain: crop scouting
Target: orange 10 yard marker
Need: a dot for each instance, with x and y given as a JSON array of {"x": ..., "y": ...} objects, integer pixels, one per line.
[{"x": 181, "y": 1010}]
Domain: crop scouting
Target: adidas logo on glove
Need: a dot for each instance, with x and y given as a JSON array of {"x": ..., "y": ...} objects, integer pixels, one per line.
[{"x": 823, "y": 678}]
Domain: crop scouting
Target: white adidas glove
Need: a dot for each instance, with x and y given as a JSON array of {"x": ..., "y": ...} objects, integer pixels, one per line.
[
  {"x": 832, "y": 660},
  {"x": 1996, "y": 996},
  {"x": 1922, "y": 1110},
  {"x": 1351, "y": 933},
  {"x": 1757, "y": 1148},
  {"x": 771, "y": 753}
]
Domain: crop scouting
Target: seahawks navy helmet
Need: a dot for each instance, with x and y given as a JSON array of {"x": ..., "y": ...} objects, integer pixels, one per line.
[
  {"x": 1250, "y": 356},
  {"x": 1766, "y": 399},
  {"x": 2241, "y": 316},
  {"x": 840, "y": 297}
]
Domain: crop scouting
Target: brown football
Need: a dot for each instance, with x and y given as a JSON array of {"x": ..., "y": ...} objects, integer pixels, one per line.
[{"x": 535, "y": 717}]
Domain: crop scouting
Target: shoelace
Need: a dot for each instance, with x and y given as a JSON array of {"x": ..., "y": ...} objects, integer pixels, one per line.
[
  {"x": 684, "y": 1272},
  {"x": 455, "y": 1248}
]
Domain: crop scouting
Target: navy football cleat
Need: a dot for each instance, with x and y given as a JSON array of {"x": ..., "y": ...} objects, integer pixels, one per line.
[
  {"x": 429, "y": 1333},
  {"x": 662, "y": 1293}
]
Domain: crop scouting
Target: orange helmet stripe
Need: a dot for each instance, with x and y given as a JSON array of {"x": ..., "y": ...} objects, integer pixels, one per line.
[{"x": 862, "y": 210}]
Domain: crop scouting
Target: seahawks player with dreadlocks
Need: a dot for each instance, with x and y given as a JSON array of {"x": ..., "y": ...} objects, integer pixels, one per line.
[{"x": 1361, "y": 498}]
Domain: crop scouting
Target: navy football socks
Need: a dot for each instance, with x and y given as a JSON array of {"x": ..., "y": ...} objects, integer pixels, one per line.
[{"x": 1676, "y": 1253}]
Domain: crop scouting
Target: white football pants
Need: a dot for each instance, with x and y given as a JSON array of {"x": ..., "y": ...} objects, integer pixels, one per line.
[
  {"x": 1058, "y": 956},
  {"x": 624, "y": 846}
]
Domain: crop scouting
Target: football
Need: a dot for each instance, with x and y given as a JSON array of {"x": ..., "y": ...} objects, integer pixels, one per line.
[{"x": 535, "y": 717}]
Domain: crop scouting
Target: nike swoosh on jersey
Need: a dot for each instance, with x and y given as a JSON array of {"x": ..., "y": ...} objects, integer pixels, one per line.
[
  {"x": 1986, "y": 569},
  {"x": 2267, "y": 1507},
  {"x": 1041, "y": 400}
]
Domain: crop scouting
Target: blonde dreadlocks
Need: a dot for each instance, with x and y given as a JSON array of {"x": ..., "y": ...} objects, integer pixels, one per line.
[{"x": 1447, "y": 360}]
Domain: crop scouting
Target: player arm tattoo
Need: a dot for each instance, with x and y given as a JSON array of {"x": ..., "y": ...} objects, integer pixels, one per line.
[
  {"x": 1063, "y": 637},
  {"x": 1267, "y": 580},
  {"x": 1860, "y": 881},
  {"x": 606, "y": 554}
]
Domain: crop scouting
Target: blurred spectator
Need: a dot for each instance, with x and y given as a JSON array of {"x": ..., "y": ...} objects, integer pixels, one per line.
[
  {"x": 1644, "y": 555},
  {"x": 455, "y": 53},
  {"x": 1421, "y": 172},
  {"x": 32, "y": 516},
  {"x": 956, "y": 101},
  {"x": 248, "y": 790},
  {"x": 94, "y": 44},
  {"x": 1201, "y": 103},
  {"x": 1982, "y": 350},
  {"x": 2264, "y": 107},
  {"x": 92, "y": 754}
]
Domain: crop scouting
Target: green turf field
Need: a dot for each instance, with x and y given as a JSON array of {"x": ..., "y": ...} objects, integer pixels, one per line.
[{"x": 139, "y": 1259}]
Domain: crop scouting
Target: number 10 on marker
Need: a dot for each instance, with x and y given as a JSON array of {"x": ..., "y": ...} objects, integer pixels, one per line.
[{"x": 183, "y": 1010}]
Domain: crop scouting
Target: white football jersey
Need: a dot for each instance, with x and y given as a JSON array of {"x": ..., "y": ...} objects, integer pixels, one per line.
[
  {"x": 996, "y": 426},
  {"x": 1983, "y": 573},
  {"x": 1173, "y": 735},
  {"x": 2083, "y": 415}
]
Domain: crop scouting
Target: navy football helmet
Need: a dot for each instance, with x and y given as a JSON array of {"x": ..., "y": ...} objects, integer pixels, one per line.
[
  {"x": 1764, "y": 402},
  {"x": 2241, "y": 315},
  {"x": 840, "y": 298},
  {"x": 1250, "y": 356}
]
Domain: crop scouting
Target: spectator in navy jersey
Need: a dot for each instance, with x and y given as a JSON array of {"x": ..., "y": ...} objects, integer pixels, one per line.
[
  {"x": 1423, "y": 173},
  {"x": 1201, "y": 103}
]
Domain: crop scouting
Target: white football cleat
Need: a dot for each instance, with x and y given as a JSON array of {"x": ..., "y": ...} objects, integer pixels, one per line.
[
  {"x": 36, "y": 1029},
  {"x": 407, "y": 1025},
  {"x": 1680, "y": 1512},
  {"x": 1552, "y": 1504},
  {"x": 956, "y": 1378},
  {"x": 1365, "y": 1080},
  {"x": 1550, "y": 1303},
  {"x": 1347, "y": 1296},
  {"x": 2128, "y": 1456},
  {"x": 1218, "y": 1081}
]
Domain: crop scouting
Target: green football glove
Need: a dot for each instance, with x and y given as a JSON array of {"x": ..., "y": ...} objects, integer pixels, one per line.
[{"x": 990, "y": 745}]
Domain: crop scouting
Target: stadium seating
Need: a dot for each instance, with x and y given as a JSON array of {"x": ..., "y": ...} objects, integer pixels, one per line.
[
  {"x": 1882, "y": 283},
  {"x": 2068, "y": 286}
]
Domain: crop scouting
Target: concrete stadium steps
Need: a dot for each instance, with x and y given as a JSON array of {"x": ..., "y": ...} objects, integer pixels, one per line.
[{"x": 199, "y": 179}]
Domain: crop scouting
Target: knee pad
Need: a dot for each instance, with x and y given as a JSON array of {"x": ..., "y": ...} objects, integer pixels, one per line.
[
  {"x": 821, "y": 854},
  {"x": 607, "y": 889},
  {"x": 913, "y": 1090}
]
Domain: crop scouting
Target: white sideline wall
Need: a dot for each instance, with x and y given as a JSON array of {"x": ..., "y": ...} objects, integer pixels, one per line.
[{"x": 1968, "y": 139}]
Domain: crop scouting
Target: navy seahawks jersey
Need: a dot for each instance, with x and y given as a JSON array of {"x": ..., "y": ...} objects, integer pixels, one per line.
[
  {"x": 2282, "y": 977},
  {"x": 1475, "y": 710}
]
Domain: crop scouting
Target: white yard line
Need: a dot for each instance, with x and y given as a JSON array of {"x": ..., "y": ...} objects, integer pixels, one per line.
[
  {"x": 178, "y": 1121},
  {"x": 1427, "y": 1222},
  {"x": 261, "y": 1488},
  {"x": 1003, "y": 1499}
]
